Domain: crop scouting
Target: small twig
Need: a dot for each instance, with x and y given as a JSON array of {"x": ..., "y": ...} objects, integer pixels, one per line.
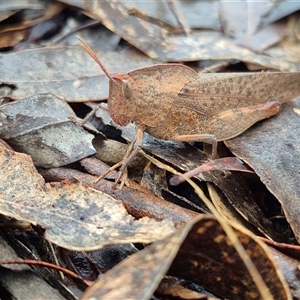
[
  {"x": 45, "y": 264},
  {"x": 153, "y": 20},
  {"x": 55, "y": 259},
  {"x": 179, "y": 17}
]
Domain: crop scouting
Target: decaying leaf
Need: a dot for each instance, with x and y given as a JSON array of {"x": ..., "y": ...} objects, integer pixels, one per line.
[
  {"x": 173, "y": 287},
  {"x": 290, "y": 268},
  {"x": 273, "y": 152},
  {"x": 197, "y": 19},
  {"x": 138, "y": 276},
  {"x": 206, "y": 257},
  {"x": 45, "y": 132},
  {"x": 21, "y": 281},
  {"x": 199, "y": 45},
  {"x": 75, "y": 217},
  {"x": 81, "y": 80},
  {"x": 138, "y": 201},
  {"x": 200, "y": 252},
  {"x": 14, "y": 33}
]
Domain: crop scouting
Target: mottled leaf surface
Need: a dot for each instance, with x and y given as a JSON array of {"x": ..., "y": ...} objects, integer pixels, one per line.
[
  {"x": 75, "y": 217},
  {"x": 273, "y": 152},
  {"x": 203, "y": 254},
  {"x": 67, "y": 72}
]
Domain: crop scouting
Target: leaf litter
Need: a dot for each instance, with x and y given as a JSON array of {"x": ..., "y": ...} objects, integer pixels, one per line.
[
  {"x": 75, "y": 217},
  {"x": 77, "y": 207}
]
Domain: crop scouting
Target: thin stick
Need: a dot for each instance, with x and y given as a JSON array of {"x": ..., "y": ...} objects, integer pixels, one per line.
[
  {"x": 45, "y": 264},
  {"x": 55, "y": 259},
  {"x": 156, "y": 21},
  {"x": 180, "y": 19},
  {"x": 87, "y": 48}
]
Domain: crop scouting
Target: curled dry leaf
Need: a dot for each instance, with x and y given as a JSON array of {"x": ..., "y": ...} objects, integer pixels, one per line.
[
  {"x": 43, "y": 11},
  {"x": 200, "y": 252},
  {"x": 75, "y": 217},
  {"x": 173, "y": 287}
]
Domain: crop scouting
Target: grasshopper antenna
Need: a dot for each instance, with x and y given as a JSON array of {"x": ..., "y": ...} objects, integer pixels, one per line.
[{"x": 87, "y": 48}]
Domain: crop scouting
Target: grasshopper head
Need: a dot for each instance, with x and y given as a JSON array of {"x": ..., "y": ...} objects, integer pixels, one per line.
[{"x": 120, "y": 106}]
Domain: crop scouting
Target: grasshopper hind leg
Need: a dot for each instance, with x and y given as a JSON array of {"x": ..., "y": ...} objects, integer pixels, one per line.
[{"x": 230, "y": 124}]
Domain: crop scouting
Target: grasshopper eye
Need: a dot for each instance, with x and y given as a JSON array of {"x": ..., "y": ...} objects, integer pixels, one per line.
[
  {"x": 184, "y": 90},
  {"x": 126, "y": 89}
]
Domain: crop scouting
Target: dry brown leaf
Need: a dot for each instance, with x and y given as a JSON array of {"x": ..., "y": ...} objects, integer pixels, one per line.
[
  {"x": 12, "y": 38},
  {"x": 290, "y": 269},
  {"x": 12, "y": 34},
  {"x": 138, "y": 276},
  {"x": 5, "y": 14},
  {"x": 225, "y": 209},
  {"x": 205, "y": 256},
  {"x": 172, "y": 287},
  {"x": 195, "y": 13},
  {"x": 82, "y": 80},
  {"x": 75, "y": 217},
  {"x": 45, "y": 11},
  {"x": 237, "y": 193},
  {"x": 199, "y": 45},
  {"x": 20, "y": 281},
  {"x": 287, "y": 249},
  {"x": 42, "y": 132},
  {"x": 138, "y": 201},
  {"x": 208, "y": 258},
  {"x": 273, "y": 152}
]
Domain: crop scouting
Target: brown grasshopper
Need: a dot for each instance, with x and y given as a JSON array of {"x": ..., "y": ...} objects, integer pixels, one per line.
[{"x": 173, "y": 102}]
